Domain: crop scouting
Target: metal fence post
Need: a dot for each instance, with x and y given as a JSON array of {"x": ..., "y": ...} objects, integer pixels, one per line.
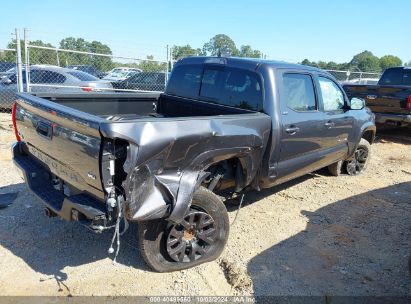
[
  {"x": 167, "y": 68},
  {"x": 26, "y": 59},
  {"x": 19, "y": 66}
]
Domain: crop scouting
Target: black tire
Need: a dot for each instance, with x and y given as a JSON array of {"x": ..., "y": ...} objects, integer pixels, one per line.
[
  {"x": 335, "y": 168},
  {"x": 155, "y": 236},
  {"x": 359, "y": 161}
]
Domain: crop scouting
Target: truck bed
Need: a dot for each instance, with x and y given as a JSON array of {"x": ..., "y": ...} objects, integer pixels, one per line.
[
  {"x": 67, "y": 133},
  {"x": 129, "y": 106}
]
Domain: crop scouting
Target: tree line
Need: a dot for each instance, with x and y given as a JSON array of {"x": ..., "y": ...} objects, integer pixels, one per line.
[
  {"x": 61, "y": 58},
  {"x": 365, "y": 61}
]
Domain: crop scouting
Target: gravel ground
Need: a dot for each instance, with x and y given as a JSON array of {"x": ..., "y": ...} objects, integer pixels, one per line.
[{"x": 317, "y": 235}]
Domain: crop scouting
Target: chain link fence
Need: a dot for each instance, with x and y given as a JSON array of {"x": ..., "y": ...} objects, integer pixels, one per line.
[
  {"x": 355, "y": 77},
  {"x": 7, "y": 67},
  {"x": 57, "y": 70},
  {"x": 63, "y": 71}
]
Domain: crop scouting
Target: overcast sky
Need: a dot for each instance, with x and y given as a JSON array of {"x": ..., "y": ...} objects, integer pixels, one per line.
[{"x": 289, "y": 30}]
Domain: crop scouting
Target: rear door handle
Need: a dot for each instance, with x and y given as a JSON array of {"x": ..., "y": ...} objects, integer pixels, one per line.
[
  {"x": 371, "y": 97},
  {"x": 329, "y": 124},
  {"x": 292, "y": 130}
]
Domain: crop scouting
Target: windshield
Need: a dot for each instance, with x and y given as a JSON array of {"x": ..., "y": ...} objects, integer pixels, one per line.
[{"x": 82, "y": 76}]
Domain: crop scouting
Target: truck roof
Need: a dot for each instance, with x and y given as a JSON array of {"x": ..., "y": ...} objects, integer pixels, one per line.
[{"x": 241, "y": 62}]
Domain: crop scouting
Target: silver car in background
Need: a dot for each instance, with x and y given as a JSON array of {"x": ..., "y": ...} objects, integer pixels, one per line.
[{"x": 45, "y": 78}]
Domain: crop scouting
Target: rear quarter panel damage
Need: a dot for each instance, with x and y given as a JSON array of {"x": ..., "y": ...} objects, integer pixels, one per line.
[{"x": 167, "y": 157}]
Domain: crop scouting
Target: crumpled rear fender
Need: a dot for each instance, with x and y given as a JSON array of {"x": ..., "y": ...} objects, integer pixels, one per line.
[{"x": 168, "y": 158}]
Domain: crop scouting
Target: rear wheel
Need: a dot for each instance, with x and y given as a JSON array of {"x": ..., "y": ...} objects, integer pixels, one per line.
[{"x": 199, "y": 238}]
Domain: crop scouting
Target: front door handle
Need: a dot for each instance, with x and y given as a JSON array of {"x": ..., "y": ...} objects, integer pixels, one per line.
[
  {"x": 329, "y": 124},
  {"x": 292, "y": 130},
  {"x": 371, "y": 97}
]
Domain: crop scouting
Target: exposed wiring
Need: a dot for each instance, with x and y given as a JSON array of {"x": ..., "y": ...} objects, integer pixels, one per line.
[
  {"x": 117, "y": 232},
  {"x": 238, "y": 210}
]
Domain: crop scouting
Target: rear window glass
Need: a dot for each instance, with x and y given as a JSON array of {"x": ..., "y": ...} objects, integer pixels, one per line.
[
  {"x": 211, "y": 84},
  {"x": 225, "y": 86},
  {"x": 82, "y": 76},
  {"x": 242, "y": 89},
  {"x": 392, "y": 77},
  {"x": 185, "y": 81},
  {"x": 407, "y": 77}
]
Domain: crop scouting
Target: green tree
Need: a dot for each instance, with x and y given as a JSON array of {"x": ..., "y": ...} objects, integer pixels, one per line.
[
  {"x": 308, "y": 62},
  {"x": 366, "y": 62},
  {"x": 332, "y": 66},
  {"x": 37, "y": 56},
  {"x": 220, "y": 43},
  {"x": 247, "y": 51},
  {"x": 101, "y": 63},
  {"x": 389, "y": 61},
  {"x": 41, "y": 56},
  {"x": 322, "y": 64},
  {"x": 79, "y": 44},
  {"x": 152, "y": 66},
  {"x": 178, "y": 52}
]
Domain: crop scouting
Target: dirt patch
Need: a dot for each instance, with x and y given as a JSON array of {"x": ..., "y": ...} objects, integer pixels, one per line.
[
  {"x": 235, "y": 274},
  {"x": 317, "y": 235}
]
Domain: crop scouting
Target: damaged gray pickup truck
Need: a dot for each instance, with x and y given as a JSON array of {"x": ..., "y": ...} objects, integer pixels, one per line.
[{"x": 167, "y": 161}]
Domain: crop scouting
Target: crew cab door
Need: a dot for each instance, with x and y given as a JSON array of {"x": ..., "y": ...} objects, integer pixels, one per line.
[
  {"x": 302, "y": 123},
  {"x": 338, "y": 122}
]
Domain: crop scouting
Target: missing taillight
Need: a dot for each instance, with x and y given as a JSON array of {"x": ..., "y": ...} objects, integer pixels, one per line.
[{"x": 13, "y": 117}]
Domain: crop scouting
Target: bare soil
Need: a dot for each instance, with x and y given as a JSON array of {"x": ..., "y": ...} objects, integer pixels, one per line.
[{"x": 317, "y": 235}]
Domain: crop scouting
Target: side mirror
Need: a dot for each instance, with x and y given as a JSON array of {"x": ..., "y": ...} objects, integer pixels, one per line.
[{"x": 357, "y": 103}]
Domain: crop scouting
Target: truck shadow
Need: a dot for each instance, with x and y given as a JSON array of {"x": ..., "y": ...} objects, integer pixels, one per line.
[
  {"x": 48, "y": 245},
  {"x": 394, "y": 134},
  {"x": 356, "y": 246},
  {"x": 253, "y": 196}
]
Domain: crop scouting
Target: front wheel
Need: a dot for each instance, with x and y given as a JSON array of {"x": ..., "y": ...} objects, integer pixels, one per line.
[
  {"x": 199, "y": 238},
  {"x": 356, "y": 164},
  {"x": 359, "y": 161}
]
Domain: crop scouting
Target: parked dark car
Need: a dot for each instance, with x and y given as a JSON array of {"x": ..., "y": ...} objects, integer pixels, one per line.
[
  {"x": 88, "y": 69},
  {"x": 390, "y": 99},
  {"x": 5, "y": 66},
  {"x": 144, "y": 81},
  {"x": 222, "y": 125}
]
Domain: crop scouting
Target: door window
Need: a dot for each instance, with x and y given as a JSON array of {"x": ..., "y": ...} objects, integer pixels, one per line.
[
  {"x": 299, "y": 92},
  {"x": 332, "y": 96}
]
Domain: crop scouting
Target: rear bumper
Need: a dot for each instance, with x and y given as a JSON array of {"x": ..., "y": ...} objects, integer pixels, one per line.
[
  {"x": 382, "y": 118},
  {"x": 80, "y": 207}
]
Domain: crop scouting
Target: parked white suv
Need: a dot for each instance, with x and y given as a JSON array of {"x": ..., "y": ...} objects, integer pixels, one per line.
[{"x": 121, "y": 73}]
